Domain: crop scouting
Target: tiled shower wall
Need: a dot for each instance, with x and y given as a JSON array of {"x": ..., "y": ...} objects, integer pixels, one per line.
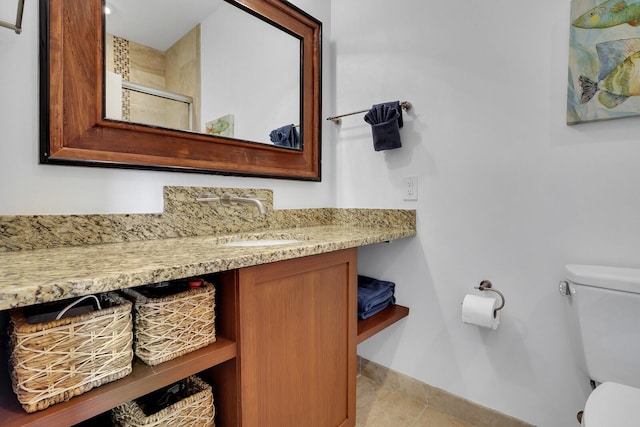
[{"x": 177, "y": 70}]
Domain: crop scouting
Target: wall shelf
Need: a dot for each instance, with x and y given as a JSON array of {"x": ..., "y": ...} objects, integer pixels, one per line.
[
  {"x": 141, "y": 381},
  {"x": 387, "y": 317}
]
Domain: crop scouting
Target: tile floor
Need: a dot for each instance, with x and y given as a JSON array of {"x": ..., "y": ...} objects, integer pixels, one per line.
[{"x": 380, "y": 406}]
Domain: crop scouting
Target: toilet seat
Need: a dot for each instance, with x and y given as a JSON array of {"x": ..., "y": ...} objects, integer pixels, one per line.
[{"x": 612, "y": 405}]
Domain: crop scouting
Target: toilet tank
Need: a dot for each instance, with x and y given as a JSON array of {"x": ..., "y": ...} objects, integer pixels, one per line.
[{"x": 604, "y": 303}]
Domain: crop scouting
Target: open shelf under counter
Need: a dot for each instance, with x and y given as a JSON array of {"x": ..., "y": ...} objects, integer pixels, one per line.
[
  {"x": 142, "y": 380},
  {"x": 387, "y": 317}
]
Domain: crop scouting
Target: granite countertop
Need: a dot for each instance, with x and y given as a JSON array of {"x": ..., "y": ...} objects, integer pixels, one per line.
[
  {"x": 47, "y": 258},
  {"x": 41, "y": 275}
]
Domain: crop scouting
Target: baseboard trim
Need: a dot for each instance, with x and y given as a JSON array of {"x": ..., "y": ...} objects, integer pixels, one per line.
[{"x": 443, "y": 401}]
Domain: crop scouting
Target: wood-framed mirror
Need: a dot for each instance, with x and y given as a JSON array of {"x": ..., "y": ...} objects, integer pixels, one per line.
[{"x": 74, "y": 129}]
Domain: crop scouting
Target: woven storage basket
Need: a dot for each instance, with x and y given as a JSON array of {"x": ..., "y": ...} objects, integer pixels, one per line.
[
  {"x": 195, "y": 410},
  {"x": 170, "y": 326},
  {"x": 53, "y": 361}
]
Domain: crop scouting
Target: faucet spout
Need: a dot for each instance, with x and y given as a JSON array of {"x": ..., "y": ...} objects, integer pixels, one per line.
[
  {"x": 246, "y": 199},
  {"x": 253, "y": 200},
  {"x": 228, "y": 199}
]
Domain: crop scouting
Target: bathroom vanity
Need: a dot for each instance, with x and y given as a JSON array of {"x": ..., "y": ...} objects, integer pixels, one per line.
[{"x": 286, "y": 318}]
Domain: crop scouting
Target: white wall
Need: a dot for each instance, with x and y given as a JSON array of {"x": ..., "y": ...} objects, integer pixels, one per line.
[
  {"x": 29, "y": 188},
  {"x": 507, "y": 191},
  {"x": 265, "y": 60}
]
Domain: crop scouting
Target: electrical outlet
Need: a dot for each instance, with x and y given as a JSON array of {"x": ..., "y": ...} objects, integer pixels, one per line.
[{"x": 411, "y": 188}]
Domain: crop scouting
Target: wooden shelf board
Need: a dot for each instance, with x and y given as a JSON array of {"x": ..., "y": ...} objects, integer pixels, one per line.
[
  {"x": 141, "y": 381},
  {"x": 387, "y": 317}
]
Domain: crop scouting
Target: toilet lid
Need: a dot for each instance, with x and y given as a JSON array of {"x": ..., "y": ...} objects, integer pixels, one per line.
[{"x": 612, "y": 405}]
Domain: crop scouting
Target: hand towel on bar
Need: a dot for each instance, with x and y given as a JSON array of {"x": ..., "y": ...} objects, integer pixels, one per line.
[
  {"x": 398, "y": 107},
  {"x": 372, "y": 292},
  {"x": 385, "y": 120},
  {"x": 376, "y": 308},
  {"x": 285, "y": 136}
]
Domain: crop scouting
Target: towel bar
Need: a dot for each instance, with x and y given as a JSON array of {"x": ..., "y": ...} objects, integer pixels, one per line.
[
  {"x": 17, "y": 27},
  {"x": 406, "y": 106}
]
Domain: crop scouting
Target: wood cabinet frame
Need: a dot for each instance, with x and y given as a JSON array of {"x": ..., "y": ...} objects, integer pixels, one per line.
[{"x": 226, "y": 363}]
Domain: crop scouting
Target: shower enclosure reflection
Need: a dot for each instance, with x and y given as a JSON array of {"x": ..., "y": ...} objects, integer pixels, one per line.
[{"x": 175, "y": 64}]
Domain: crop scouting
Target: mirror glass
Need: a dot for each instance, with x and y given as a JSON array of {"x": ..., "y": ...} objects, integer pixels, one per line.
[{"x": 202, "y": 66}]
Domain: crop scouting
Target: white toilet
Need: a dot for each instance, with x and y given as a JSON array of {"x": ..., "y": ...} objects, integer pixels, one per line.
[{"x": 605, "y": 312}]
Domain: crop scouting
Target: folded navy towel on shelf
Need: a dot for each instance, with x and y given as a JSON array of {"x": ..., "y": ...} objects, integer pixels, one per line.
[
  {"x": 285, "y": 136},
  {"x": 376, "y": 308},
  {"x": 385, "y": 120},
  {"x": 373, "y": 292}
]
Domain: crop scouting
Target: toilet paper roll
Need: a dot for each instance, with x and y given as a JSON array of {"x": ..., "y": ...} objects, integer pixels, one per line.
[{"x": 477, "y": 310}]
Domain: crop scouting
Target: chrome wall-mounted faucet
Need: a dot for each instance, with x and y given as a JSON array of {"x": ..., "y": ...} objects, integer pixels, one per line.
[{"x": 228, "y": 199}]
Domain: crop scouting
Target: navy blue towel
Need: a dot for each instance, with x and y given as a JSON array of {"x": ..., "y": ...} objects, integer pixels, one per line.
[
  {"x": 376, "y": 308},
  {"x": 372, "y": 292},
  {"x": 285, "y": 136},
  {"x": 398, "y": 108},
  {"x": 385, "y": 120}
]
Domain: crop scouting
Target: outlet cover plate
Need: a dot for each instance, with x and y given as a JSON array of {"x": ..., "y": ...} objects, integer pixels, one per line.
[{"x": 411, "y": 188}]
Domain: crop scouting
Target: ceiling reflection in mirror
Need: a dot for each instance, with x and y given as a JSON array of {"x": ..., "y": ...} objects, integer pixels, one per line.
[{"x": 202, "y": 66}]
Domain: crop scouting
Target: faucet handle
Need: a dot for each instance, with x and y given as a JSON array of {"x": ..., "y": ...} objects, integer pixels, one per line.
[{"x": 207, "y": 197}]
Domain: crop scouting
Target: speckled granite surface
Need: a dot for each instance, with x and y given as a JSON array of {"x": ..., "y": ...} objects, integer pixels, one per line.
[{"x": 47, "y": 258}]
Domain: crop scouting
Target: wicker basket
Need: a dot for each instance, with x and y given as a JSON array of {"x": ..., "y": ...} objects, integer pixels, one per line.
[
  {"x": 53, "y": 361},
  {"x": 174, "y": 325},
  {"x": 194, "y": 410}
]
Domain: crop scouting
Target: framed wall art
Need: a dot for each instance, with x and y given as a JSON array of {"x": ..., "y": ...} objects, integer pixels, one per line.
[{"x": 604, "y": 60}]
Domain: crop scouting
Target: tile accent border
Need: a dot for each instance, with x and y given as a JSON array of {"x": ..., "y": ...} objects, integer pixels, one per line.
[
  {"x": 436, "y": 398},
  {"x": 122, "y": 66}
]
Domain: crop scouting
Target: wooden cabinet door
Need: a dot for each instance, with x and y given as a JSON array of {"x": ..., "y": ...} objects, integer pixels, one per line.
[{"x": 297, "y": 343}]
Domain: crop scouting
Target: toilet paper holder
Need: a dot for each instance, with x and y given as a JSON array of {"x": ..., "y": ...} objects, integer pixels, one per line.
[{"x": 486, "y": 285}]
